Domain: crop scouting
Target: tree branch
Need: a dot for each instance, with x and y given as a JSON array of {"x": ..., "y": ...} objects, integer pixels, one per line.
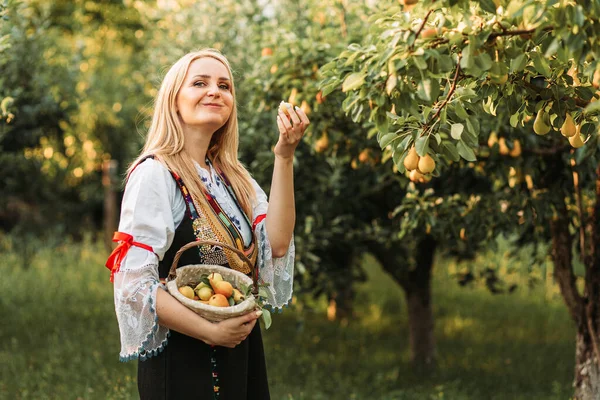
[
  {"x": 448, "y": 97},
  {"x": 421, "y": 28}
]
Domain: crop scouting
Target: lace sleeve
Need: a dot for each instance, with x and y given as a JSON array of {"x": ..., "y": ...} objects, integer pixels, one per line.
[
  {"x": 278, "y": 273},
  {"x": 147, "y": 214},
  {"x": 135, "y": 301}
]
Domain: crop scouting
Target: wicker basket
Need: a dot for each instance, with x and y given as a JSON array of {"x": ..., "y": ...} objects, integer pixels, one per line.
[{"x": 190, "y": 273}]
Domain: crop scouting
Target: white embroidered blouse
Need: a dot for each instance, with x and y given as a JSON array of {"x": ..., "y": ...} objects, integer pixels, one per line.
[{"x": 151, "y": 211}]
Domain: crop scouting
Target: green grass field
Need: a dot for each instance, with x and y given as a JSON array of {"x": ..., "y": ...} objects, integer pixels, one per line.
[{"x": 59, "y": 338}]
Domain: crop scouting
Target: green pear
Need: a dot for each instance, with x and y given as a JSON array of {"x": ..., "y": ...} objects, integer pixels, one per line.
[
  {"x": 576, "y": 141},
  {"x": 541, "y": 124},
  {"x": 568, "y": 129}
]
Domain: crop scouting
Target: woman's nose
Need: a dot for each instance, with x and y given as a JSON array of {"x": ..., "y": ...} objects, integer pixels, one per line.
[{"x": 213, "y": 90}]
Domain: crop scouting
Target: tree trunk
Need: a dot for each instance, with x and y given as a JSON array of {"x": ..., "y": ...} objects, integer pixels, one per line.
[
  {"x": 109, "y": 181},
  {"x": 416, "y": 283},
  {"x": 587, "y": 375},
  {"x": 582, "y": 310},
  {"x": 587, "y": 353}
]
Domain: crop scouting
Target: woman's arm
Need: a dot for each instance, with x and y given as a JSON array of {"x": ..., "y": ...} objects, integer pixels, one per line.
[
  {"x": 174, "y": 315},
  {"x": 281, "y": 215}
]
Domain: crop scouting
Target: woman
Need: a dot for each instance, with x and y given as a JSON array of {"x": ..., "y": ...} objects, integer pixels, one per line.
[{"x": 188, "y": 185}]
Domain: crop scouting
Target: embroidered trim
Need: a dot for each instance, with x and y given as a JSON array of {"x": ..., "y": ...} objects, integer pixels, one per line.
[
  {"x": 141, "y": 353},
  {"x": 214, "y": 372}
]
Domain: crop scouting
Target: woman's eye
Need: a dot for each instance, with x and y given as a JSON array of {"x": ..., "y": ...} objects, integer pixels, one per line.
[
  {"x": 199, "y": 83},
  {"x": 224, "y": 87}
]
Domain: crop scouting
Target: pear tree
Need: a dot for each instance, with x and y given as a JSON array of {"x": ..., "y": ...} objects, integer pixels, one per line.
[{"x": 508, "y": 88}]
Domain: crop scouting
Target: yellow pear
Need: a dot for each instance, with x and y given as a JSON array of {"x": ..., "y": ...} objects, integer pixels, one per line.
[
  {"x": 516, "y": 151},
  {"x": 411, "y": 161},
  {"x": 305, "y": 107},
  {"x": 503, "y": 147},
  {"x": 429, "y": 33},
  {"x": 426, "y": 164},
  {"x": 364, "y": 156},
  {"x": 568, "y": 129},
  {"x": 218, "y": 300},
  {"x": 205, "y": 293},
  {"x": 222, "y": 287},
  {"x": 576, "y": 141},
  {"x": 215, "y": 276},
  {"x": 187, "y": 292},
  {"x": 285, "y": 108},
  {"x": 200, "y": 286},
  {"x": 493, "y": 139},
  {"x": 415, "y": 175},
  {"x": 540, "y": 125},
  {"x": 292, "y": 98},
  {"x": 322, "y": 143},
  {"x": 499, "y": 80},
  {"x": 238, "y": 297}
]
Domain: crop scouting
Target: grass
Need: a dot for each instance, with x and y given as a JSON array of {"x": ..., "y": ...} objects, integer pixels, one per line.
[{"x": 59, "y": 338}]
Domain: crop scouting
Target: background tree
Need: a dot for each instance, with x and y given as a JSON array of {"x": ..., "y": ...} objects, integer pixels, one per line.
[{"x": 431, "y": 73}]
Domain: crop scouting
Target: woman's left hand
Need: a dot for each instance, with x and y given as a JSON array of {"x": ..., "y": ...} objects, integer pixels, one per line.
[{"x": 291, "y": 130}]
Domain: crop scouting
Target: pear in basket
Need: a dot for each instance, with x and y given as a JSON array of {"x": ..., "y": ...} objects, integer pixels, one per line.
[
  {"x": 215, "y": 276},
  {"x": 187, "y": 292},
  {"x": 205, "y": 293},
  {"x": 218, "y": 300},
  {"x": 222, "y": 287},
  {"x": 238, "y": 297}
]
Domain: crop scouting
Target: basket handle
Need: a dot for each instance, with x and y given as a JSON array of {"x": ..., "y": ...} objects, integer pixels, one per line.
[{"x": 172, "y": 274}]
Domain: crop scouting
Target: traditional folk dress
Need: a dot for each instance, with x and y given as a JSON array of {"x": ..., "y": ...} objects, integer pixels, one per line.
[{"x": 158, "y": 217}]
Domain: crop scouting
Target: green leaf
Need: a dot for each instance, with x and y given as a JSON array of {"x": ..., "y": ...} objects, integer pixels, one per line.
[
  {"x": 353, "y": 81},
  {"x": 422, "y": 145},
  {"x": 518, "y": 63},
  {"x": 460, "y": 111},
  {"x": 266, "y": 318},
  {"x": 428, "y": 89},
  {"x": 540, "y": 64},
  {"x": 330, "y": 65},
  {"x": 488, "y": 5},
  {"x": 262, "y": 292},
  {"x": 420, "y": 62},
  {"x": 483, "y": 61},
  {"x": 327, "y": 89},
  {"x": 466, "y": 62},
  {"x": 449, "y": 150},
  {"x": 387, "y": 139},
  {"x": 456, "y": 131},
  {"x": 514, "y": 119},
  {"x": 465, "y": 151}
]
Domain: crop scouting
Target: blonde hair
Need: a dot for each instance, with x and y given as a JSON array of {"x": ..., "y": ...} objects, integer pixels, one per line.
[{"x": 165, "y": 137}]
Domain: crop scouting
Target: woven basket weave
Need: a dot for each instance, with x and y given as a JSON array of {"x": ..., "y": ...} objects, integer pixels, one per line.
[{"x": 182, "y": 276}]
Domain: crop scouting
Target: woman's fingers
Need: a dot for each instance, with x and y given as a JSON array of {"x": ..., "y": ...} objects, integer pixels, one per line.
[
  {"x": 284, "y": 120},
  {"x": 303, "y": 117}
]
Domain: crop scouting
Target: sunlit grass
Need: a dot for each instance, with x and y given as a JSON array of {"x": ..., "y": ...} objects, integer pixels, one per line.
[{"x": 59, "y": 338}]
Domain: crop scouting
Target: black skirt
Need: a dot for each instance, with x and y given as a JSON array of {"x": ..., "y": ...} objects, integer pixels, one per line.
[{"x": 190, "y": 369}]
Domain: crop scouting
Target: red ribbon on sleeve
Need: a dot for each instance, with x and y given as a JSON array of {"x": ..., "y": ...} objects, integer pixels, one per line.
[
  {"x": 258, "y": 220},
  {"x": 118, "y": 254}
]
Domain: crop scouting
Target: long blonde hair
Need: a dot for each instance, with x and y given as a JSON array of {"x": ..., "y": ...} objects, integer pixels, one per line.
[{"x": 165, "y": 138}]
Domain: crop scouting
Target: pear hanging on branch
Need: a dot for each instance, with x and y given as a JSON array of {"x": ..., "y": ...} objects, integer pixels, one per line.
[
  {"x": 541, "y": 125},
  {"x": 568, "y": 129}
]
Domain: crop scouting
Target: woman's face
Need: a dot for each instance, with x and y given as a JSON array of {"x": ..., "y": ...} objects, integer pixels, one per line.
[{"x": 205, "y": 98}]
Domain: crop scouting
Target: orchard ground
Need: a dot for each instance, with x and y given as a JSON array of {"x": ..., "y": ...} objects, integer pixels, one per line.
[{"x": 59, "y": 337}]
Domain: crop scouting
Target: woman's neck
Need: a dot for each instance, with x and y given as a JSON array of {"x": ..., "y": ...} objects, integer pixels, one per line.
[{"x": 196, "y": 145}]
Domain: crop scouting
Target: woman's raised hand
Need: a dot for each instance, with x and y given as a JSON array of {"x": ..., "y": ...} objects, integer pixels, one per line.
[{"x": 291, "y": 123}]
